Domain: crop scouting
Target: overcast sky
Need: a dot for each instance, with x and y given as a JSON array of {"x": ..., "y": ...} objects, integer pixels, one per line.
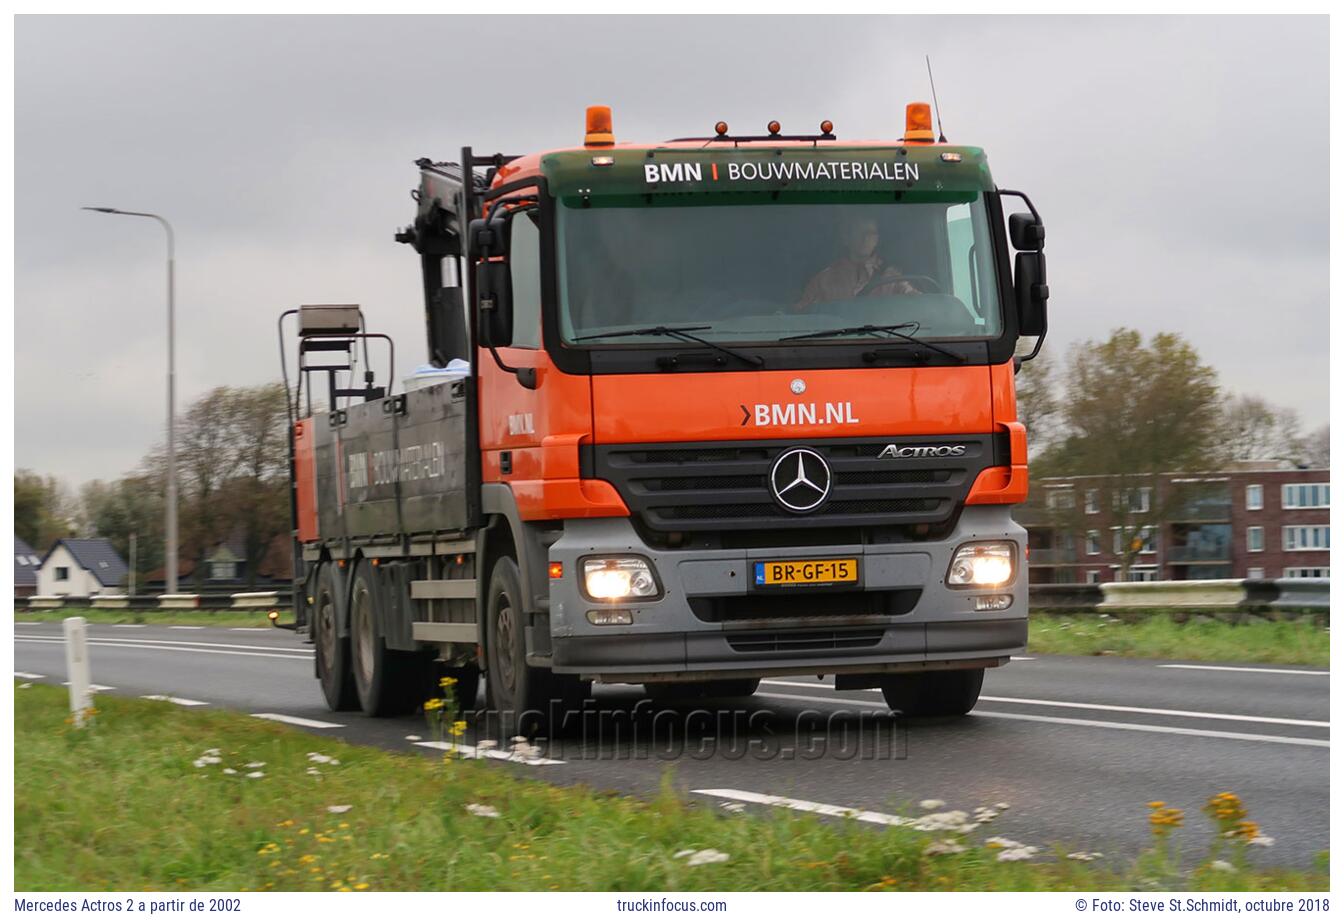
[{"x": 1181, "y": 165}]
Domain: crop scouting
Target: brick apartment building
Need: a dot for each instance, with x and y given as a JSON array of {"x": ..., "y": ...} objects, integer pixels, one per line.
[{"x": 1257, "y": 519}]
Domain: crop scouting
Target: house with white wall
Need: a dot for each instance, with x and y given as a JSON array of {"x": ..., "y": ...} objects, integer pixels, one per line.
[{"x": 81, "y": 568}]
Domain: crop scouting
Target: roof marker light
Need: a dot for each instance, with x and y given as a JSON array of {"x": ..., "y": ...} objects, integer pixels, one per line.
[
  {"x": 918, "y": 123},
  {"x": 773, "y": 128},
  {"x": 597, "y": 127},
  {"x": 950, "y": 157},
  {"x": 826, "y": 126},
  {"x": 721, "y": 128},
  {"x": 603, "y": 161}
]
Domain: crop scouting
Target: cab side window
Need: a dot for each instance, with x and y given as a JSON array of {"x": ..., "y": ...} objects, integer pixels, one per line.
[{"x": 525, "y": 275}]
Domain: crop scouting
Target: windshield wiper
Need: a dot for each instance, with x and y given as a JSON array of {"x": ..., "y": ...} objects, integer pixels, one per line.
[
  {"x": 894, "y": 331},
  {"x": 684, "y": 333}
]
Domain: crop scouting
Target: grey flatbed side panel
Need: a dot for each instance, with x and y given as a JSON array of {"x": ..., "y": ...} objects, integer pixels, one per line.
[
  {"x": 383, "y": 474},
  {"x": 433, "y": 495}
]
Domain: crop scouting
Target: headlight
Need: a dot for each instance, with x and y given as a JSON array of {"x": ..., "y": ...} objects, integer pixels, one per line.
[
  {"x": 618, "y": 579},
  {"x": 982, "y": 565}
]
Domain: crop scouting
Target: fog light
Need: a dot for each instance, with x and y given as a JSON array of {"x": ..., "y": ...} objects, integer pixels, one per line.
[
  {"x": 981, "y": 565},
  {"x": 617, "y": 579},
  {"x": 993, "y": 602},
  {"x": 610, "y": 617}
]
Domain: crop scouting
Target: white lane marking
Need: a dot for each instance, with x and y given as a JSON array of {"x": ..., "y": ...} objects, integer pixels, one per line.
[
  {"x": 1184, "y": 713},
  {"x": 295, "y": 720},
  {"x": 1160, "y": 729},
  {"x": 1214, "y": 667},
  {"x": 1103, "y": 707},
  {"x": 1086, "y": 723},
  {"x": 170, "y": 643},
  {"x": 819, "y": 808},
  {"x": 471, "y": 752},
  {"x": 174, "y": 648},
  {"x": 96, "y": 688},
  {"x": 186, "y": 627},
  {"x": 250, "y": 628},
  {"x": 128, "y": 625},
  {"x": 173, "y": 699},
  {"x": 28, "y": 675}
]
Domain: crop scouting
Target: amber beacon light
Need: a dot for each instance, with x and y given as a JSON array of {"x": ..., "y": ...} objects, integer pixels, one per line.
[
  {"x": 597, "y": 127},
  {"x": 918, "y": 123}
]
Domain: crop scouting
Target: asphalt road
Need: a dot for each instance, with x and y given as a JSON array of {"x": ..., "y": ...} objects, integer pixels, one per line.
[{"x": 1075, "y": 746}]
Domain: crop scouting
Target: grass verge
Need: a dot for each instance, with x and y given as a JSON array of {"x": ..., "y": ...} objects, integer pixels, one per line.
[
  {"x": 1161, "y": 635},
  {"x": 124, "y": 805},
  {"x": 251, "y": 617}
]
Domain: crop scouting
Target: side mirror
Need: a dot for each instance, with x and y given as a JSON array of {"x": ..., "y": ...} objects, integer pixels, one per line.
[
  {"x": 1026, "y": 232},
  {"x": 488, "y": 238},
  {"x": 494, "y": 295},
  {"x": 1032, "y": 292}
]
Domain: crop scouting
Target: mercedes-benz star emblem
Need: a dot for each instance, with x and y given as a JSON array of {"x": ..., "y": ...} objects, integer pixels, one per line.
[
  {"x": 797, "y": 387},
  {"x": 800, "y": 479}
]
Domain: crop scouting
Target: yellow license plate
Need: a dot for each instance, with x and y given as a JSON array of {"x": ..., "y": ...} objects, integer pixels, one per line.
[{"x": 789, "y": 572}]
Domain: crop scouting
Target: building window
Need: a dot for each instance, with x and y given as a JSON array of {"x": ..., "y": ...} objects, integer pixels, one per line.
[
  {"x": 1094, "y": 542},
  {"x": 62, "y": 573},
  {"x": 1306, "y": 538},
  {"x": 1143, "y": 534},
  {"x": 1255, "y": 539},
  {"x": 1135, "y": 501},
  {"x": 1306, "y": 495},
  {"x": 1316, "y": 572},
  {"x": 1090, "y": 504},
  {"x": 223, "y": 571},
  {"x": 1059, "y": 499},
  {"x": 1255, "y": 573},
  {"x": 1093, "y": 576},
  {"x": 1141, "y": 573},
  {"x": 1255, "y": 497}
]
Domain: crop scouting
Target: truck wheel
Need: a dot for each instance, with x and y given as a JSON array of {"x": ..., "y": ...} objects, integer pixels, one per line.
[
  {"x": 937, "y": 693},
  {"x": 383, "y": 683},
  {"x": 523, "y": 696},
  {"x": 332, "y": 653}
]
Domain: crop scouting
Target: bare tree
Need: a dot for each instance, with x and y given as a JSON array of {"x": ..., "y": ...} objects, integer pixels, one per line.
[
  {"x": 1257, "y": 430},
  {"x": 1038, "y": 403}
]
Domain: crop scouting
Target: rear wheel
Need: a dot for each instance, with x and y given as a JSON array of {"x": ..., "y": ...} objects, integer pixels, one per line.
[
  {"x": 527, "y": 699},
  {"x": 332, "y": 651},
  {"x": 937, "y": 693},
  {"x": 384, "y": 679}
]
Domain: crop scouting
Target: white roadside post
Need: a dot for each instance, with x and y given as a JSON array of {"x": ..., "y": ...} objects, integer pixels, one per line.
[{"x": 77, "y": 666}]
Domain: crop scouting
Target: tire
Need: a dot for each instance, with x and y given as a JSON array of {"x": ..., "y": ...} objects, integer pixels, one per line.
[
  {"x": 528, "y": 700},
  {"x": 331, "y": 652},
  {"x": 937, "y": 693},
  {"x": 385, "y": 681},
  {"x": 711, "y": 689}
]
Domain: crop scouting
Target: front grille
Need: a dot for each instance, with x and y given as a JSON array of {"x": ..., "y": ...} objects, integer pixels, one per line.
[
  {"x": 725, "y": 487},
  {"x": 791, "y": 604},
  {"x": 797, "y": 640}
]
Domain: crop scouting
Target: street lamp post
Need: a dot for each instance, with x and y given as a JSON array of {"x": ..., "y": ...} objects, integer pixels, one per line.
[{"x": 170, "y": 512}]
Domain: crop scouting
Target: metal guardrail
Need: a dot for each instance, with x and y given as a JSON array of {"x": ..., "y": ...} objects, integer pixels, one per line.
[{"x": 205, "y": 602}]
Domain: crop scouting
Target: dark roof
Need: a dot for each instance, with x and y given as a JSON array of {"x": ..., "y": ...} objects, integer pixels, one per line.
[
  {"x": 97, "y": 557},
  {"x": 25, "y": 572}
]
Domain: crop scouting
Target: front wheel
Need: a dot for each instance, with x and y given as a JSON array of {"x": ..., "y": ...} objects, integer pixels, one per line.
[
  {"x": 527, "y": 699},
  {"x": 936, "y": 693}
]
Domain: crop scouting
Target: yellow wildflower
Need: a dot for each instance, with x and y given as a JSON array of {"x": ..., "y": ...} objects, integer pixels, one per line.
[
  {"x": 446, "y": 682},
  {"x": 459, "y": 728},
  {"x": 363, "y": 886},
  {"x": 432, "y": 705}
]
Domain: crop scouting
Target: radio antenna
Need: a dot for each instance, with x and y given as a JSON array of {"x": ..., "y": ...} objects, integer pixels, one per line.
[{"x": 942, "y": 138}]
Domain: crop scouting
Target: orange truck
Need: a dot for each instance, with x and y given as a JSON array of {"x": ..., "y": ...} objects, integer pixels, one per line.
[{"x": 696, "y": 413}]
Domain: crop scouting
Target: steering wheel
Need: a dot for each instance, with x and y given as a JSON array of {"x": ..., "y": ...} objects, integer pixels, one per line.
[{"x": 877, "y": 281}]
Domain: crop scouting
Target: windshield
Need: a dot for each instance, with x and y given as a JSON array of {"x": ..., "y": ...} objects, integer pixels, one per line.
[{"x": 760, "y": 270}]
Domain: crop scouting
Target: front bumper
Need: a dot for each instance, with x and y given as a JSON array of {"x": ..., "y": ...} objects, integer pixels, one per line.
[{"x": 673, "y": 638}]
